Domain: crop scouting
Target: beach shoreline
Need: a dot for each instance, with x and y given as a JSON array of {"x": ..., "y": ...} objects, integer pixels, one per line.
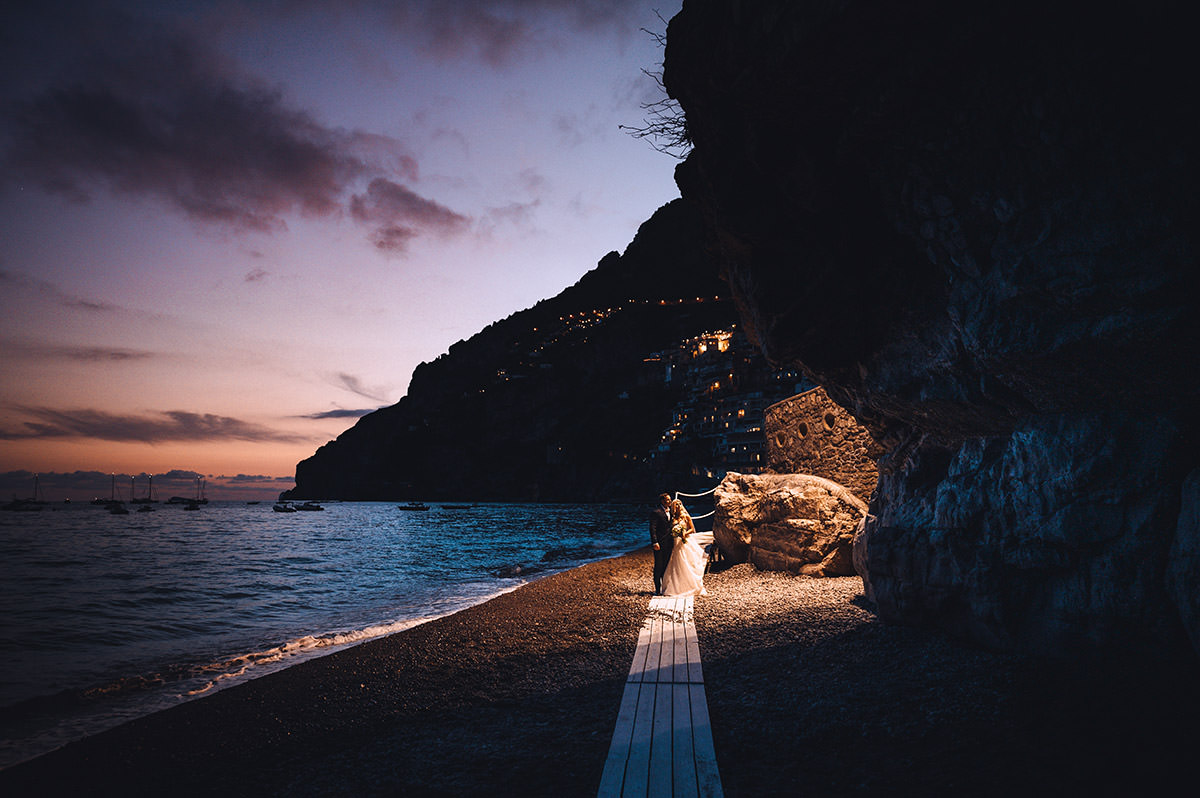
[
  {"x": 422, "y": 689},
  {"x": 808, "y": 693}
]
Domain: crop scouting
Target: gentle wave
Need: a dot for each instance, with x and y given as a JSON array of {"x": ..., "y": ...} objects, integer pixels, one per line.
[
  {"x": 214, "y": 675},
  {"x": 181, "y": 605},
  {"x": 226, "y": 670},
  {"x": 238, "y": 666},
  {"x": 307, "y": 646}
]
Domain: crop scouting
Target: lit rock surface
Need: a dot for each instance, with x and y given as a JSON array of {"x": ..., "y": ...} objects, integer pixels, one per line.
[{"x": 787, "y": 522}]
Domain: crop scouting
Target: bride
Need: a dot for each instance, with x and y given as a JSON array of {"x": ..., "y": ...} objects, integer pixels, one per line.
[{"x": 685, "y": 570}]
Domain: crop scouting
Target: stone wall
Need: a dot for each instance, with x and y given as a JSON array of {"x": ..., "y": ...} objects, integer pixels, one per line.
[{"x": 810, "y": 434}]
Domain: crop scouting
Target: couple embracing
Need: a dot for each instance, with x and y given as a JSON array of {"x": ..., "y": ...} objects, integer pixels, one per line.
[{"x": 679, "y": 550}]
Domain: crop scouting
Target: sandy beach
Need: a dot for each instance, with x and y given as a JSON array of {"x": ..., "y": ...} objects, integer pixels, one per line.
[{"x": 809, "y": 693}]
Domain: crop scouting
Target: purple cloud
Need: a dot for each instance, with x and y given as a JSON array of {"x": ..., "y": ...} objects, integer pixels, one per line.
[
  {"x": 532, "y": 180},
  {"x": 570, "y": 129},
  {"x": 518, "y": 213},
  {"x": 355, "y": 385},
  {"x": 172, "y": 425},
  {"x": 396, "y": 213},
  {"x": 217, "y": 152},
  {"x": 138, "y": 109},
  {"x": 96, "y": 354},
  {"x": 340, "y": 413},
  {"x": 53, "y": 293},
  {"x": 43, "y": 352},
  {"x": 502, "y": 31},
  {"x": 250, "y": 478}
]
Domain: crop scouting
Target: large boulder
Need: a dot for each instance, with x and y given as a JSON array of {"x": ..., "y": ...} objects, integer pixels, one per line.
[
  {"x": 974, "y": 225},
  {"x": 799, "y": 523}
]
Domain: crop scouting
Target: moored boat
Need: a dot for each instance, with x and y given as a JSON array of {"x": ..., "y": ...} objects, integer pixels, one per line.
[{"x": 26, "y": 505}]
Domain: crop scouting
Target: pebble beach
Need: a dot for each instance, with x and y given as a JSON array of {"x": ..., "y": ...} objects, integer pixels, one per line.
[{"x": 809, "y": 694}]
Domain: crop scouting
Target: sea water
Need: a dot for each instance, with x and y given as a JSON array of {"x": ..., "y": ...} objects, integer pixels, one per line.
[{"x": 105, "y": 617}]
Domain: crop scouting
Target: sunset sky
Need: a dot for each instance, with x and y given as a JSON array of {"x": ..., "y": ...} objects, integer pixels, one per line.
[{"x": 227, "y": 229}]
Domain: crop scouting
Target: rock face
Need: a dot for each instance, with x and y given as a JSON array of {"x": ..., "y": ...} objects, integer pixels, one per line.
[
  {"x": 810, "y": 434},
  {"x": 974, "y": 226},
  {"x": 1184, "y": 562},
  {"x": 787, "y": 522}
]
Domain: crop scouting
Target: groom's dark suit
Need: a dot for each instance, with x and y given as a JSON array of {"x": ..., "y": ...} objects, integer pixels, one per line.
[{"x": 660, "y": 533}]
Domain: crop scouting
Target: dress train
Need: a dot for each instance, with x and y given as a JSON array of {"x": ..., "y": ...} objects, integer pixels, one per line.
[{"x": 685, "y": 569}]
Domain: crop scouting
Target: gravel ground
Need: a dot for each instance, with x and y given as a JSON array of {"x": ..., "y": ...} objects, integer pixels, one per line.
[{"x": 809, "y": 695}]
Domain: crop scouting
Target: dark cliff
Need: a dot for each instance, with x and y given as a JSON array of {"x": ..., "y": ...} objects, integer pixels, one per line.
[
  {"x": 974, "y": 225},
  {"x": 555, "y": 402}
]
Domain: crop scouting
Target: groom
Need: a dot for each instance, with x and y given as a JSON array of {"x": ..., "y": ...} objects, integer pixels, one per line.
[{"x": 661, "y": 539}]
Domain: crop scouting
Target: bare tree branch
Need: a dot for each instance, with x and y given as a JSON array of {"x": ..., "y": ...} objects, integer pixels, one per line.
[{"x": 664, "y": 125}]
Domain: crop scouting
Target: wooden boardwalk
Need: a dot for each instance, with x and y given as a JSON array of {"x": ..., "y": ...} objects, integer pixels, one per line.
[{"x": 662, "y": 745}]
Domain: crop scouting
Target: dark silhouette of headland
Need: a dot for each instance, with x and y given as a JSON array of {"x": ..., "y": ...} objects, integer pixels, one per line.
[{"x": 631, "y": 378}]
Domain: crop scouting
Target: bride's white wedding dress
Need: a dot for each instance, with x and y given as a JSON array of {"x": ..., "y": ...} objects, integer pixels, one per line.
[{"x": 685, "y": 569}]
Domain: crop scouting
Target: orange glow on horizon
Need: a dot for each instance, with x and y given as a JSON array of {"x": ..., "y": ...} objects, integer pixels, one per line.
[{"x": 212, "y": 459}]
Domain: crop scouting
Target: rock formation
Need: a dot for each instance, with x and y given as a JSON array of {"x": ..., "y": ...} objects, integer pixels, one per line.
[
  {"x": 803, "y": 515},
  {"x": 787, "y": 522},
  {"x": 974, "y": 225}
]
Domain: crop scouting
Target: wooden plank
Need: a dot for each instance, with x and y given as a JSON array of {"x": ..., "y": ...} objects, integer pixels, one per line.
[
  {"x": 666, "y": 666},
  {"x": 637, "y": 769},
  {"x": 613, "y": 778},
  {"x": 692, "y": 642},
  {"x": 683, "y": 759},
  {"x": 670, "y": 635},
  {"x": 654, "y": 660},
  {"x": 668, "y": 643},
  {"x": 653, "y": 648},
  {"x": 641, "y": 652},
  {"x": 679, "y": 655},
  {"x": 659, "y": 785},
  {"x": 686, "y": 635},
  {"x": 662, "y": 741},
  {"x": 658, "y": 603},
  {"x": 707, "y": 777}
]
